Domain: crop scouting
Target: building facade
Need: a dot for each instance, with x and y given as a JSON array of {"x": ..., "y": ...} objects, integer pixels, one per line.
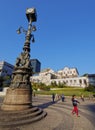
[
  {"x": 5, "y": 68},
  {"x": 36, "y": 65},
  {"x": 67, "y": 76},
  {"x": 68, "y": 72}
]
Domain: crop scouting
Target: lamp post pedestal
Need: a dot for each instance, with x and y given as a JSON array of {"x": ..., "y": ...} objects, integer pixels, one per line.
[{"x": 17, "y": 100}]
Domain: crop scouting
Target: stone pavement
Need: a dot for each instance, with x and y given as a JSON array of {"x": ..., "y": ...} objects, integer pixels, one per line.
[{"x": 59, "y": 115}]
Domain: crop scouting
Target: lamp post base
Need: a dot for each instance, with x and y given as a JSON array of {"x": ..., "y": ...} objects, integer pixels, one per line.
[{"x": 17, "y": 99}]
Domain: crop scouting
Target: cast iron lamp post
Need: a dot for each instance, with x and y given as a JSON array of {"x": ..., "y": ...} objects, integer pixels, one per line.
[
  {"x": 17, "y": 108},
  {"x": 19, "y": 94}
]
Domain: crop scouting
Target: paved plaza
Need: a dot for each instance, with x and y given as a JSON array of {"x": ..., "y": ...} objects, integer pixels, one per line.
[{"x": 59, "y": 116}]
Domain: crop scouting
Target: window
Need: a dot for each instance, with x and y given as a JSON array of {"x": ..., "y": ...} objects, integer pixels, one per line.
[{"x": 74, "y": 81}]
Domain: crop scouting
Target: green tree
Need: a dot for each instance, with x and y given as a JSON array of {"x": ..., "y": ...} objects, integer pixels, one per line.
[
  {"x": 90, "y": 88},
  {"x": 5, "y": 81},
  {"x": 1, "y": 83}
]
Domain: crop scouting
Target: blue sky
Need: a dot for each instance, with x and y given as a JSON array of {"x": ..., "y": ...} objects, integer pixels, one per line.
[{"x": 65, "y": 33}]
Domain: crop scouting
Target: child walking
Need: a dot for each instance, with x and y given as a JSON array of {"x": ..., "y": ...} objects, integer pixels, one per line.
[{"x": 75, "y": 105}]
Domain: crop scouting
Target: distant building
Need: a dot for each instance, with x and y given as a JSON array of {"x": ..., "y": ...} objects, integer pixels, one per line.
[
  {"x": 68, "y": 72},
  {"x": 5, "y": 68},
  {"x": 91, "y": 78},
  {"x": 67, "y": 76},
  {"x": 36, "y": 65}
]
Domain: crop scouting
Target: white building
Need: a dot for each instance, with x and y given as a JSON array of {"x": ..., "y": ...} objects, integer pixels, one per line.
[
  {"x": 68, "y": 72},
  {"x": 44, "y": 76},
  {"x": 74, "y": 82},
  {"x": 69, "y": 76}
]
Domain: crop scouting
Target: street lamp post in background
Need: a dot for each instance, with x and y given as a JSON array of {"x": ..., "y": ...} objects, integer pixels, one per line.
[{"x": 19, "y": 93}]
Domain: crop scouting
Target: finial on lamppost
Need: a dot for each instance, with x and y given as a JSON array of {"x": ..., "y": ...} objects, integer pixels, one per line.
[{"x": 31, "y": 14}]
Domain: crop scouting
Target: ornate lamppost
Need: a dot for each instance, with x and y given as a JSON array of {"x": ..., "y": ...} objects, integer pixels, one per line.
[{"x": 19, "y": 94}]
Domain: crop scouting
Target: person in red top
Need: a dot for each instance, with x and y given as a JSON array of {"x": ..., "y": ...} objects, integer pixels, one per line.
[{"x": 75, "y": 105}]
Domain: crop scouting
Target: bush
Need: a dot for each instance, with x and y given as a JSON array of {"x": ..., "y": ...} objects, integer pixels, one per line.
[
  {"x": 57, "y": 85},
  {"x": 90, "y": 88},
  {"x": 40, "y": 86}
]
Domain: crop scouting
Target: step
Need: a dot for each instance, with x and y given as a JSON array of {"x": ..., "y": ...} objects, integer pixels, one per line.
[
  {"x": 30, "y": 110},
  {"x": 16, "y": 120}
]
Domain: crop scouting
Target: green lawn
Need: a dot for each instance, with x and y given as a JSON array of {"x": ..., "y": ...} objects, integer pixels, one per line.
[{"x": 66, "y": 92}]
